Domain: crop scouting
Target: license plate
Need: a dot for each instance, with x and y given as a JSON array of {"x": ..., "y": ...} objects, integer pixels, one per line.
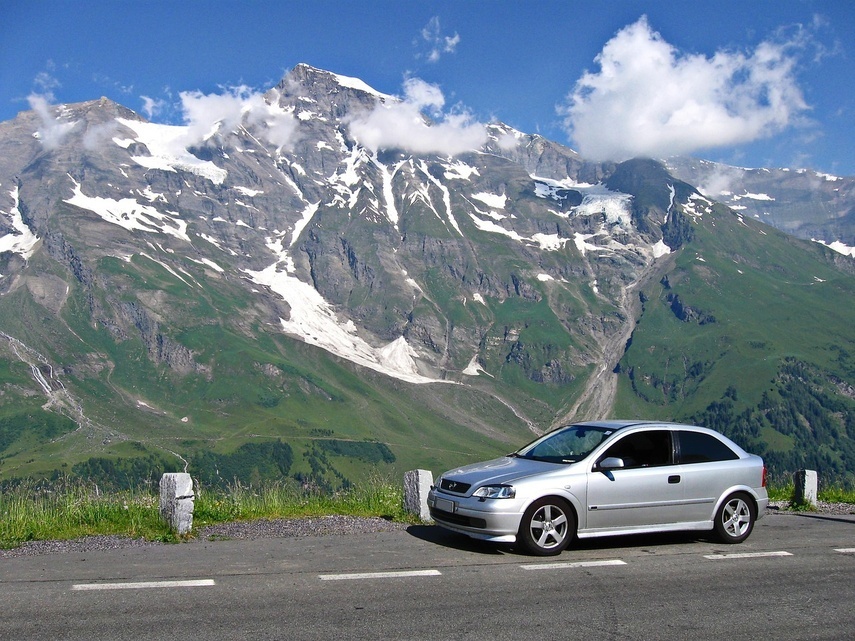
[{"x": 445, "y": 506}]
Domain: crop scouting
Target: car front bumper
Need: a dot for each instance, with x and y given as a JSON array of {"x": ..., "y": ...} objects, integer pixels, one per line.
[{"x": 496, "y": 520}]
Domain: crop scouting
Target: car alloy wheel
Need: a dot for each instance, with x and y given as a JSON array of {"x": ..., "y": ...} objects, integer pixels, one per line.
[
  {"x": 547, "y": 527},
  {"x": 735, "y": 518}
]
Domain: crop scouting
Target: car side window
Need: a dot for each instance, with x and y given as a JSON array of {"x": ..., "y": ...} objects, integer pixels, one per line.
[
  {"x": 643, "y": 449},
  {"x": 697, "y": 447}
]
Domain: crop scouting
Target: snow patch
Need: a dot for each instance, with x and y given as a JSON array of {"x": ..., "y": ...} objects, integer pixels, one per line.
[
  {"x": 697, "y": 205},
  {"x": 490, "y": 226},
  {"x": 751, "y": 196},
  {"x": 582, "y": 244},
  {"x": 356, "y": 83},
  {"x": 300, "y": 225},
  {"x": 838, "y": 246},
  {"x": 314, "y": 321},
  {"x": 660, "y": 249},
  {"x": 165, "y": 143},
  {"x": 246, "y": 191},
  {"x": 491, "y": 200},
  {"x": 22, "y": 241},
  {"x": 550, "y": 242},
  {"x": 209, "y": 263},
  {"x": 446, "y": 196},
  {"x": 612, "y": 206},
  {"x": 130, "y": 214},
  {"x": 473, "y": 368},
  {"x": 459, "y": 171}
]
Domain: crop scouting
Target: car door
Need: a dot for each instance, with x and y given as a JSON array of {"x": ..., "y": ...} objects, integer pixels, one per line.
[
  {"x": 645, "y": 492},
  {"x": 707, "y": 470}
]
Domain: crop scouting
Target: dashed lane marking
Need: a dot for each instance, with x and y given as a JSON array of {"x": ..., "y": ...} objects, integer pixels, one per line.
[
  {"x": 576, "y": 564},
  {"x": 845, "y": 550},
  {"x": 378, "y": 575},
  {"x": 144, "y": 585},
  {"x": 745, "y": 555}
]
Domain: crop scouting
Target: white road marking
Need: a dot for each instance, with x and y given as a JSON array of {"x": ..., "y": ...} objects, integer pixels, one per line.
[
  {"x": 845, "y": 550},
  {"x": 378, "y": 575},
  {"x": 745, "y": 555},
  {"x": 143, "y": 585},
  {"x": 577, "y": 564}
]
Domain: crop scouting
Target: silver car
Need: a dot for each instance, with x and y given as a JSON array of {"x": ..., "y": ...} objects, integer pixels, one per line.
[{"x": 606, "y": 478}]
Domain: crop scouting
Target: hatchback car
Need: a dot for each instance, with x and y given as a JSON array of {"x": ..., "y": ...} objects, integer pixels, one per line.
[{"x": 605, "y": 478}]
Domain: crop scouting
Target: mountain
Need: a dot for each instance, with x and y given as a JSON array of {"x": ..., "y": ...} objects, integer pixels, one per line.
[
  {"x": 804, "y": 203},
  {"x": 321, "y": 282}
]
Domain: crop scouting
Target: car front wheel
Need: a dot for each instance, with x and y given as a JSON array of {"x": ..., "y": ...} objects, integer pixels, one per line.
[
  {"x": 547, "y": 527},
  {"x": 735, "y": 518}
]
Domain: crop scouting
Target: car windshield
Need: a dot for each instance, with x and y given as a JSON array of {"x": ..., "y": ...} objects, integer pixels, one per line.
[{"x": 566, "y": 445}]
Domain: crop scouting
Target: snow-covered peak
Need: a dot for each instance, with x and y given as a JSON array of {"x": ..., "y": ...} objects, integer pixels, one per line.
[{"x": 313, "y": 75}]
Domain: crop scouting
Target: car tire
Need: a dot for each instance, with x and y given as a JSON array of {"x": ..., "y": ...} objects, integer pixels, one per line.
[
  {"x": 547, "y": 527},
  {"x": 735, "y": 518}
]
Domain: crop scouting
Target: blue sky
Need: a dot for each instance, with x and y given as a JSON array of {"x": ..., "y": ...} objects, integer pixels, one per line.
[{"x": 750, "y": 83}]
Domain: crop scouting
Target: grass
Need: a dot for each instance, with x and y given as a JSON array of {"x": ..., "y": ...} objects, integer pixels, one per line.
[
  {"x": 64, "y": 510},
  {"x": 72, "y": 509},
  {"x": 828, "y": 494},
  {"x": 37, "y": 511}
]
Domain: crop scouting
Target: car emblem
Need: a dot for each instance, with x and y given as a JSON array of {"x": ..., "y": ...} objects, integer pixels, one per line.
[{"x": 452, "y": 485}]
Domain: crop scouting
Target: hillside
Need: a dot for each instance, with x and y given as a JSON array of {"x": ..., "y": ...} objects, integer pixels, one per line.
[{"x": 274, "y": 294}]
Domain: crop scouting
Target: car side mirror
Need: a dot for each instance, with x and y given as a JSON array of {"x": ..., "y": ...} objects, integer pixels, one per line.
[{"x": 610, "y": 463}]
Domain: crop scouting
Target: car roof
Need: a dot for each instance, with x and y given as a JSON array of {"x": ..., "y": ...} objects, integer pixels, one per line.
[{"x": 617, "y": 424}]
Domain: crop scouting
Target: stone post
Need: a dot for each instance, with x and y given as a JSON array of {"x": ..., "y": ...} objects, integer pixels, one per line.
[
  {"x": 176, "y": 501},
  {"x": 416, "y": 487},
  {"x": 806, "y": 487}
]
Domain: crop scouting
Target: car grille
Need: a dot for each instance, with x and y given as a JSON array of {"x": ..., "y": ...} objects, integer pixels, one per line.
[
  {"x": 457, "y": 519},
  {"x": 457, "y": 487}
]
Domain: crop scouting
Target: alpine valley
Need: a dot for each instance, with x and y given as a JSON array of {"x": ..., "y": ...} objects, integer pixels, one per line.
[{"x": 275, "y": 295}]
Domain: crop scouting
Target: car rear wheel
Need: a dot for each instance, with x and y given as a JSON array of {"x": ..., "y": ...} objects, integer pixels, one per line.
[
  {"x": 735, "y": 518},
  {"x": 547, "y": 527}
]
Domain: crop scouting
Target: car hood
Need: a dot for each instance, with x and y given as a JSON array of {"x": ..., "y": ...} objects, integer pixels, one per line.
[{"x": 500, "y": 471}]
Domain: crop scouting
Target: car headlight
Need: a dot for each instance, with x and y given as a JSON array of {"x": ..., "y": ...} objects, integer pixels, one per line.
[{"x": 495, "y": 492}]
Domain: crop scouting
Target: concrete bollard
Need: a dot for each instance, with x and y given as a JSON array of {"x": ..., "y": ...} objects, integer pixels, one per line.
[
  {"x": 806, "y": 487},
  {"x": 176, "y": 501},
  {"x": 416, "y": 487}
]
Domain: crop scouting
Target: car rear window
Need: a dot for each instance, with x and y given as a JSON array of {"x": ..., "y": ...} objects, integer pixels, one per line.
[{"x": 698, "y": 447}]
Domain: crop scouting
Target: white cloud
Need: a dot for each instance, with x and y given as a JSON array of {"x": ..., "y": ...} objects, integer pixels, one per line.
[
  {"x": 437, "y": 43},
  {"x": 97, "y": 135},
  {"x": 210, "y": 118},
  {"x": 152, "y": 106},
  {"x": 648, "y": 99},
  {"x": 52, "y": 131},
  {"x": 402, "y": 124}
]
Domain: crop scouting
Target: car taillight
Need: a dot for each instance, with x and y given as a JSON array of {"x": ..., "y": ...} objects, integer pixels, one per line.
[{"x": 763, "y": 481}]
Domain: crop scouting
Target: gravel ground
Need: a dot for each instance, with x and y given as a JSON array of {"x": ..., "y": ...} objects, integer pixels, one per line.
[
  {"x": 263, "y": 528},
  {"x": 240, "y": 530},
  {"x": 783, "y": 507}
]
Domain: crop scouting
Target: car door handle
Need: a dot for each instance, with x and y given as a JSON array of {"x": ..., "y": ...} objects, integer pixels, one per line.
[{"x": 674, "y": 478}]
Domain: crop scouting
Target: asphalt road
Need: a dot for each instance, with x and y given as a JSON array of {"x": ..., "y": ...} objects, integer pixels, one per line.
[{"x": 794, "y": 578}]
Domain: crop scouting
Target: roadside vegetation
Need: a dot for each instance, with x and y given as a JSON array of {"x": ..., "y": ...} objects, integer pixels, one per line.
[{"x": 70, "y": 509}]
